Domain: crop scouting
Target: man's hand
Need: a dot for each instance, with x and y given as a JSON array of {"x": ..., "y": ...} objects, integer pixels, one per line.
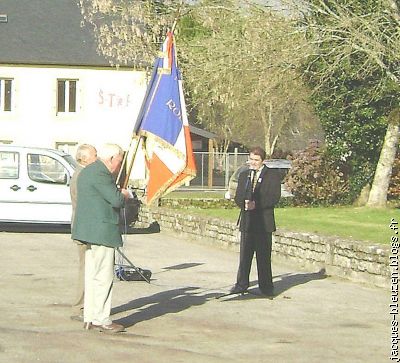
[
  {"x": 249, "y": 204},
  {"x": 127, "y": 193}
]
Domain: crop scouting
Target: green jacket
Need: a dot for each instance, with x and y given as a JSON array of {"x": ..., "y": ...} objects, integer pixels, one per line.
[{"x": 97, "y": 208}]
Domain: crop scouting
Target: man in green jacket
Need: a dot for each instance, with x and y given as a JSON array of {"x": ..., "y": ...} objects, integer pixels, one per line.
[{"x": 96, "y": 224}]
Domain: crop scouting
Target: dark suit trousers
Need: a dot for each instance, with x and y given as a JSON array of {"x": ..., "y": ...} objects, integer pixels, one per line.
[{"x": 261, "y": 244}]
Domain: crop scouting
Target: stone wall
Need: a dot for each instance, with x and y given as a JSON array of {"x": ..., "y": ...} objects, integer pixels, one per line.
[{"x": 357, "y": 261}]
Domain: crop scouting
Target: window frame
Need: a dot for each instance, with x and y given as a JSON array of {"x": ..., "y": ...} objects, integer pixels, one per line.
[
  {"x": 6, "y": 94},
  {"x": 17, "y": 157},
  {"x": 67, "y": 96},
  {"x": 40, "y": 171}
]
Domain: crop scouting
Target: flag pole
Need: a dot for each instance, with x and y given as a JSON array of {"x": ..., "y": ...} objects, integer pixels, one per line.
[
  {"x": 123, "y": 162},
  {"x": 173, "y": 26},
  {"x": 129, "y": 170}
]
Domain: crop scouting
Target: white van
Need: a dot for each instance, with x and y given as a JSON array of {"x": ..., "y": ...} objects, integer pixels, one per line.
[{"x": 34, "y": 185}]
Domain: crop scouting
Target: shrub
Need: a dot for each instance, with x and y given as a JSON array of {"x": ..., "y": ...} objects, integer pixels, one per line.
[{"x": 314, "y": 179}]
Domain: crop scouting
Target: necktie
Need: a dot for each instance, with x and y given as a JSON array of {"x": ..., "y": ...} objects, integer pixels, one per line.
[
  {"x": 257, "y": 174},
  {"x": 254, "y": 181}
]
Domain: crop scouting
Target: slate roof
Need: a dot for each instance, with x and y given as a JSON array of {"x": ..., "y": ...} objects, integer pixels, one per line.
[
  {"x": 46, "y": 32},
  {"x": 197, "y": 131}
]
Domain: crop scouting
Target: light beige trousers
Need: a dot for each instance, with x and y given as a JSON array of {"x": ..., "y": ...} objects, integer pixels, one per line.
[
  {"x": 77, "y": 306},
  {"x": 99, "y": 275}
]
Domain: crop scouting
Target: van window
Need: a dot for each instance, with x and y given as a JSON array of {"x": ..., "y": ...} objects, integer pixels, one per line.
[
  {"x": 9, "y": 165},
  {"x": 45, "y": 169},
  {"x": 71, "y": 161}
]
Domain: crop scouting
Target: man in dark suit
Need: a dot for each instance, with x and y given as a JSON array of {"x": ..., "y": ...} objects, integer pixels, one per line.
[
  {"x": 258, "y": 191},
  {"x": 96, "y": 224}
]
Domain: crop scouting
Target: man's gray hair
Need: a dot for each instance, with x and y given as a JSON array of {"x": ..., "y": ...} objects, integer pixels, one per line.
[
  {"x": 83, "y": 151},
  {"x": 107, "y": 151}
]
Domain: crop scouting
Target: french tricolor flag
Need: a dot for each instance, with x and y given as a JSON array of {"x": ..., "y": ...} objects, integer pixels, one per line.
[{"x": 163, "y": 126}]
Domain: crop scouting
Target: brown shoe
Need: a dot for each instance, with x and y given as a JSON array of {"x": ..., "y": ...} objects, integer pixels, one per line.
[{"x": 110, "y": 328}]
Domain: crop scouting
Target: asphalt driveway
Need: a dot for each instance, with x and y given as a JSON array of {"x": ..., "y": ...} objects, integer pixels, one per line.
[{"x": 177, "y": 318}]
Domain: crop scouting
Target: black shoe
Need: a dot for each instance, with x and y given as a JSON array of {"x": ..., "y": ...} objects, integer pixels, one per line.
[
  {"x": 237, "y": 290},
  {"x": 268, "y": 291}
]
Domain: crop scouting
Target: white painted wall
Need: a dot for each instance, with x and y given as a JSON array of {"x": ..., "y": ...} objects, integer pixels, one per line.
[{"x": 108, "y": 103}]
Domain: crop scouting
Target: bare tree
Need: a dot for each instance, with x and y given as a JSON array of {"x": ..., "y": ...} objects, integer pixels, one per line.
[
  {"x": 130, "y": 31},
  {"x": 246, "y": 67}
]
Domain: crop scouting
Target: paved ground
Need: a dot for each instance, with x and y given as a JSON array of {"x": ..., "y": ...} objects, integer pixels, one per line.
[{"x": 176, "y": 318}]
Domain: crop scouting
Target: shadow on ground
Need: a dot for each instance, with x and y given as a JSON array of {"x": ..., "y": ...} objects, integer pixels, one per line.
[
  {"x": 66, "y": 228},
  {"x": 35, "y": 228},
  {"x": 287, "y": 281},
  {"x": 156, "y": 305},
  {"x": 152, "y": 228},
  {"x": 284, "y": 283}
]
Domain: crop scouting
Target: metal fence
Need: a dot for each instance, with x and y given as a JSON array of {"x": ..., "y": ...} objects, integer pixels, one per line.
[{"x": 215, "y": 169}]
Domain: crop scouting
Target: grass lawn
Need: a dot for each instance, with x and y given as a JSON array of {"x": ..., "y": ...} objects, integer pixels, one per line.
[{"x": 347, "y": 222}]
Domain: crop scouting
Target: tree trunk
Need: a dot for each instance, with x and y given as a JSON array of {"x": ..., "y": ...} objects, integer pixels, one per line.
[
  {"x": 267, "y": 130},
  {"x": 378, "y": 194}
]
